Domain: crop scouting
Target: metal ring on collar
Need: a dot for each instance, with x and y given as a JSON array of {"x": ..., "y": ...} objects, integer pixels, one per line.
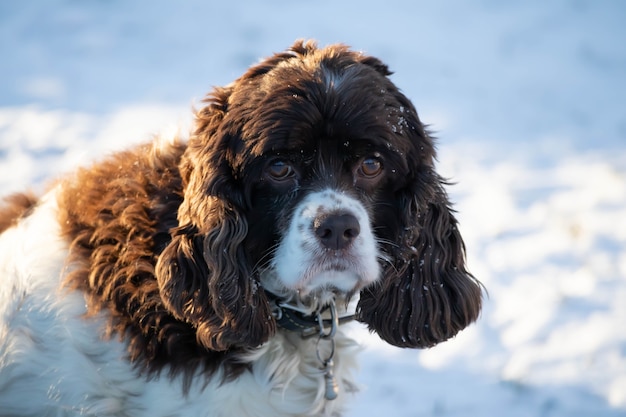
[{"x": 334, "y": 322}]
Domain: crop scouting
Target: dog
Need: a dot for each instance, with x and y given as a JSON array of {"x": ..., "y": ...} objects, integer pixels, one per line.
[{"x": 211, "y": 276}]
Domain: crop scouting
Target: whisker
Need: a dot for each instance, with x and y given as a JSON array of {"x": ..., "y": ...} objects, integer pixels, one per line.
[
  {"x": 383, "y": 204},
  {"x": 387, "y": 242},
  {"x": 385, "y": 257},
  {"x": 264, "y": 261}
]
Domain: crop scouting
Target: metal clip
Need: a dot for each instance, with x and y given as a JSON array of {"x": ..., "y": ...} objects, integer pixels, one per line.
[{"x": 334, "y": 322}]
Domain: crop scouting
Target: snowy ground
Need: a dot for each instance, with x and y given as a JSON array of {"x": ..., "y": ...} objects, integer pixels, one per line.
[{"x": 528, "y": 103}]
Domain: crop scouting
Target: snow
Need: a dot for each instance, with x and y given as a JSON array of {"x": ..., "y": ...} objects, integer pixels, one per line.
[{"x": 527, "y": 99}]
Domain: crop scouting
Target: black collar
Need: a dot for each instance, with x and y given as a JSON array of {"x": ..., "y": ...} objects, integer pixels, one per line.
[{"x": 289, "y": 317}]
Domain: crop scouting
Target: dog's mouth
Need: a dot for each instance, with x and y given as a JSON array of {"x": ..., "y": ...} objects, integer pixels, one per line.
[
  {"x": 317, "y": 287},
  {"x": 336, "y": 278}
]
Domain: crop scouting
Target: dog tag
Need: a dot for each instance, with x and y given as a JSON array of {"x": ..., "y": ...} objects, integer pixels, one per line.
[{"x": 332, "y": 388}]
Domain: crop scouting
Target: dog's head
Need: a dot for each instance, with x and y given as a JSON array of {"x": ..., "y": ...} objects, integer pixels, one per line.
[{"x": 311, "y": 176}]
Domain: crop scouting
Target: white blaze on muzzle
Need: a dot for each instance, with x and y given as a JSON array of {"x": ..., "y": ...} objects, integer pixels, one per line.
[{"x": 328, "y": 244}]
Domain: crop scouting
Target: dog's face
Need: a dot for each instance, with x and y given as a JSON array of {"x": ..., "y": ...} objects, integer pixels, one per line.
[
  {"x": 321, "y": 176},
  {"x": 312, "y": 177}
]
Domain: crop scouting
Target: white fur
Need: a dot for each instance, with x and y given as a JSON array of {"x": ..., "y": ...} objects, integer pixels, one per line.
[
  {"x": 302, "y": 264},
  {"x": 54, "y": 362}
]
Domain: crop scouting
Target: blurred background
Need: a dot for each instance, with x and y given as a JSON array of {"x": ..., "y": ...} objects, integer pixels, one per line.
[{"x": 527, "y": 102}]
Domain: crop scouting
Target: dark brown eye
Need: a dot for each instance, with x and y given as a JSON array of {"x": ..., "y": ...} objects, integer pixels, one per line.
[
  {"x": 370, "y": 167},
  {"x": 280, "y": 171}
]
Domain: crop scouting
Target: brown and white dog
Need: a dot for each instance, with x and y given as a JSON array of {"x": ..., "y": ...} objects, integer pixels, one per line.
[{"x": 209, "y": 277}]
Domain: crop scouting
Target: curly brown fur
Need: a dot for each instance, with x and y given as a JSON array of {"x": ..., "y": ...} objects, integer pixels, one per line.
[{"x": 117, "y": 215}]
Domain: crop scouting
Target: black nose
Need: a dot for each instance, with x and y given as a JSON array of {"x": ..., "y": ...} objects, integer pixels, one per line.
[{"x": 337, "y": 231}]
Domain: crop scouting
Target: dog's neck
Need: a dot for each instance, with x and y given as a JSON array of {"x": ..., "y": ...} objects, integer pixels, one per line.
[{"x": 323, "y": 323}]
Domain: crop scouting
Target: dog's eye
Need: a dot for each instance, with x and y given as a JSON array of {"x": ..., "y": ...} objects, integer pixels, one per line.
[
  {"x": 280, "y": 170},
  {"x": 370, "y": 167}
]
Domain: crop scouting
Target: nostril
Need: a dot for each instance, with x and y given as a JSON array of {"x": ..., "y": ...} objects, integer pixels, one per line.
[
  {"x": 337, "y": 231},
  {"x": 352, "y": 232}
]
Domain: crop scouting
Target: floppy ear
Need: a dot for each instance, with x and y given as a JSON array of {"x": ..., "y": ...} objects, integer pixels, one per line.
[
  {"x": 428, "y": 295},
  {"x": 203, "y": 274},
  {"x": 425, "y": 295},
  {"x": 204, "y": 280}
]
